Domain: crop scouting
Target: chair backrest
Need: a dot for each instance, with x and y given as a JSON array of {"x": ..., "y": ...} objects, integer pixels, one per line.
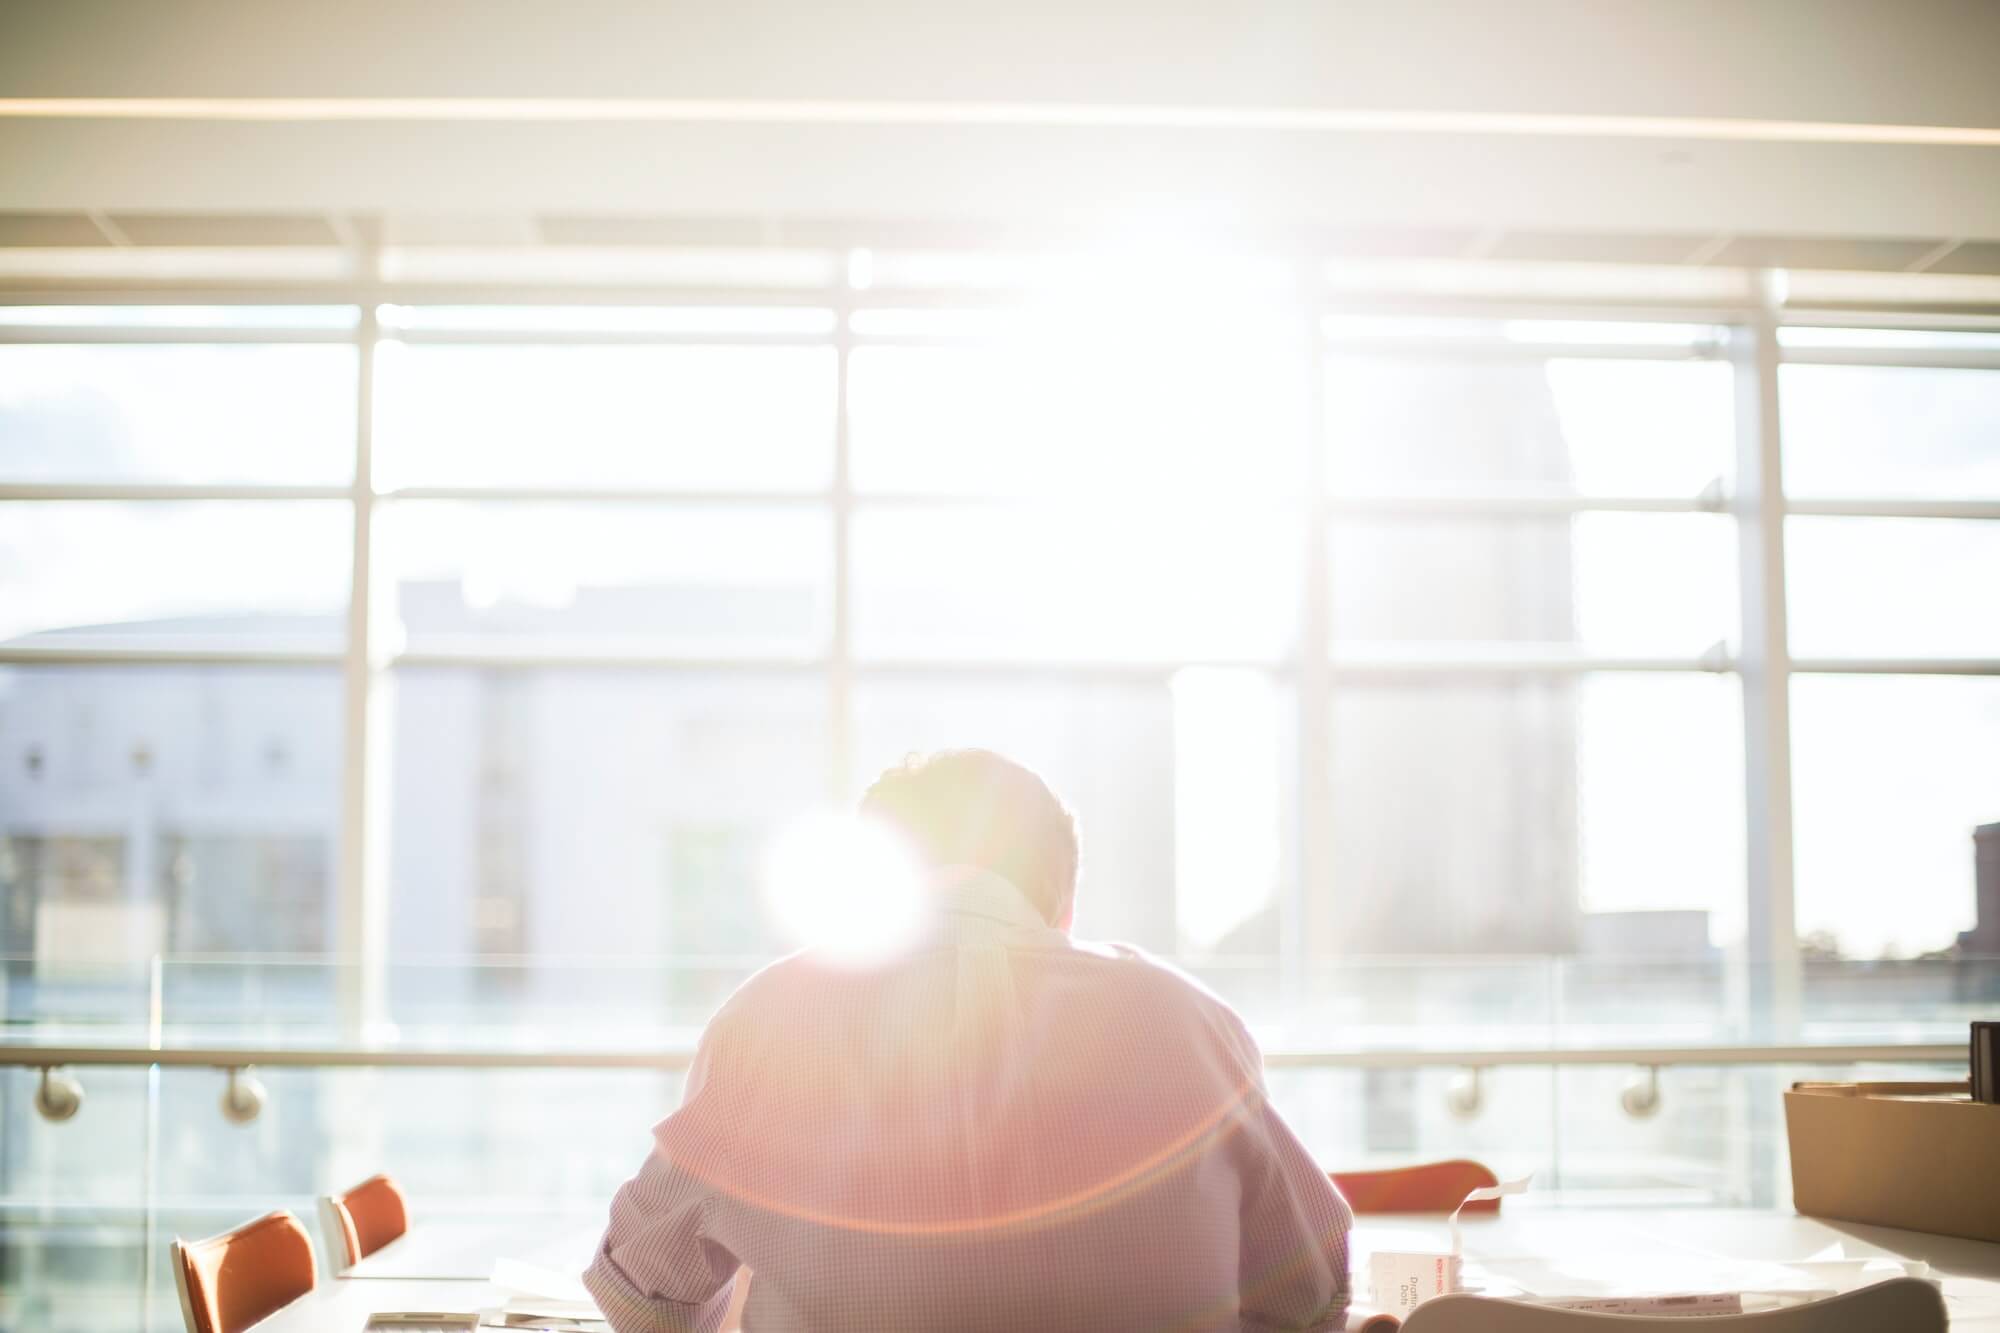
[
  {"x": 363, "y": 1220},
  {"x": 229, "y": 1282},
  {"x": 1433, "y": 1187},
  {"x": 1905, "y": 1304}
]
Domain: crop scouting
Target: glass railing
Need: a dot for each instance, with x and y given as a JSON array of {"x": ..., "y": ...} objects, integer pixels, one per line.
[
  {"x": 1423, "y": 1002},
  {"x": 1529, "y": 1064}
]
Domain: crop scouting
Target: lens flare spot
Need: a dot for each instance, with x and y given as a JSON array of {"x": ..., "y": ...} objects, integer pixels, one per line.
[{"x": 848, "y": 888}]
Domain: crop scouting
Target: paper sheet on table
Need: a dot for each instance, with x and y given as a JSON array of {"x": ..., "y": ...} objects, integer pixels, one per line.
[
  {"x": 539, "y": 1283},
  {"x": 545, "y": 1315},
  {"x": 1826, "y": 1273}
]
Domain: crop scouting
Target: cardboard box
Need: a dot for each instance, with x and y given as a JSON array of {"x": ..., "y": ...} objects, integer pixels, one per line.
[{"x": 1921, "y": 1156}]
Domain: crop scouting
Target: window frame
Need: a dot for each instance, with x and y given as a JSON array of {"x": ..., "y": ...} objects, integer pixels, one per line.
[{"x": 1747, "y": 336}]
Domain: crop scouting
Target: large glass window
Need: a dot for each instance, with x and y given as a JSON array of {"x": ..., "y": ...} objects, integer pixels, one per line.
[
  {"x": 1391, "y": 666},
  {"x": 1497, "y": 417},
  {"x": 592, "y": 811},
  {"x": 1606, "y": 584},
  {"x": 1893, "y": 587},
  {"x": 668, "y": 417},
  {"x": 1890, "y": 776},
  {"x": 1109, "y": 524},
  {"x": 168, "y": 810},
  {"x": 1018, "y": 582},
  {"x": 1097, "y": 403},
  {"x": 242, "y": 572},
  {"x": 177, "y": 413},
  {"x": 682, "y": 578},
  {"x": 1548, "y": 815},
  {"x": 1915, "y": 431}
]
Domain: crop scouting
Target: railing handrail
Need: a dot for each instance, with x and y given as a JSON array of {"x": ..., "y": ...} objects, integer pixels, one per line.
[{"x": 679, "y": 1057}]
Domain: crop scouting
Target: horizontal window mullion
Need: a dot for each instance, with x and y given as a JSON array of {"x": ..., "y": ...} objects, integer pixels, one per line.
[
  {"x": 1896, "y": 666},
  {"x": 26, "y": 653},
  {"x": 119, "y": 334},
  {"x": 600, "y": 338},
  {"x": 602, "y": 495},
  {"x": 1843, "y": 508},
  {"x": 167, "y": 491},
  {"x": 1421, "y": 348},
  {"x": 1904, "y": 358},
  {"x": 1418, "y": 666},
  {"x": 1111, "y": 670},
  {"x": 526, "y": 657},
  {"x": 1502, "y": 504}
]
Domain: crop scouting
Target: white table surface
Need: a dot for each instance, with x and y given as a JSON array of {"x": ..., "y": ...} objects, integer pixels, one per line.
[
  {"x": 1610, "y": 1243},
  {"x": 1619, "y": 1243},
  {"x": 465, "y": 1247},
  {"x": 343, "y": 1307}
]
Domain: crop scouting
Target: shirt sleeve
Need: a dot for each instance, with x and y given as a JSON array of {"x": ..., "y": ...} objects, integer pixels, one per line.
[
  {"x": 1292, "y": 1225},
  {"x": 657, "y": 1270}
]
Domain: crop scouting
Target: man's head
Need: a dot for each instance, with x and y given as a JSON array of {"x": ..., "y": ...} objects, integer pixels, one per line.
[{"x": 972, "y": 807}]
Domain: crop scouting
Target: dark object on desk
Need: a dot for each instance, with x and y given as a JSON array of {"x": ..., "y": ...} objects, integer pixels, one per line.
[{"x": 1986, "y": 1062}]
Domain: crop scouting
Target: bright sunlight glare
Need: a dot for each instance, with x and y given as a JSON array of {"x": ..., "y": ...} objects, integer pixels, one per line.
[
  {"x": 1226, "y": 800},
  {"x": 848, "y": 888}
]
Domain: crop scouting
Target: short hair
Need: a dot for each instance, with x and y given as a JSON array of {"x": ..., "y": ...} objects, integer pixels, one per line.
[{"x": 974, "y": 807}]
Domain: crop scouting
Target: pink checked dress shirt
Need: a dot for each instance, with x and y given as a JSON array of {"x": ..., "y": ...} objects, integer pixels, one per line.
[{"x": 1004, "y": 1130}]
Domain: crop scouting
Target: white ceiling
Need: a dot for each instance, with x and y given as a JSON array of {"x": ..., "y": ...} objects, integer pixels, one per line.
[{"x": 724, "y": 131}]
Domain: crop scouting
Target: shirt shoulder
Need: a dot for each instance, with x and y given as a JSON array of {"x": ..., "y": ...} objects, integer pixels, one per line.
[{"x": 1176, "y": 996}]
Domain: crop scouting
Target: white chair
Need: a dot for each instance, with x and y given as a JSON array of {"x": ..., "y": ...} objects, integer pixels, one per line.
[{"x": 1904, "y": 1304}]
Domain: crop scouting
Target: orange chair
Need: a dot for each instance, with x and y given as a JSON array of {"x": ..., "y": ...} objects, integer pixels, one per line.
[
  {"x": 363, "y": 1220},
  {"x": 229, "y": 1282},
  {"x": 1434, "y": 1187}
]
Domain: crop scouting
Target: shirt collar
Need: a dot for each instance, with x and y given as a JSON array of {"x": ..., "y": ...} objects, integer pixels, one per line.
[{"x": 974, "y": 891}]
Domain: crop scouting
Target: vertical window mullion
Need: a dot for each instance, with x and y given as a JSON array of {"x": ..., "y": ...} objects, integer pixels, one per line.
[
  {"x": 359, "y": 934},
  {"x": 1308, "y": 924},
  {"x": 1770, "y": 984},
  {"x": 840, "y": 650}
]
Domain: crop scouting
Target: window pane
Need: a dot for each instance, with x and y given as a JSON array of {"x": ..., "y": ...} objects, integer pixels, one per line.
[
  {"x": 1014, "y": 582},
  {"x": 1890, "y": 775},
  {"x": 580, "y": 813},
  {"x": 1606, "y": 583},
  {"x": 216, "y": 413},
  {"x": 680, "y": 578},
  {"x": 148, "y": 810},
  {"x": 1897, "y": 587},
  {"x": 718, "y": 418},
  {"x": 1891, "y": 431},
  {"x": 273, "y": 573},
  {"x": 1515, "y": 817},
  {"x": 1090, "y": 408},
  {"x": 1598, "y": 427},
  {"x": 1157, "y": 776}
]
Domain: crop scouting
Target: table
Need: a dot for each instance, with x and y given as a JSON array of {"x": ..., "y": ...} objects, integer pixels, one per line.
[
  {"x": 342, "y": 1306},
  {"x": 1604, "y": 1241},
  {"x": 464, "y": 1248},
  {"x": 1612, "y": 1242}
]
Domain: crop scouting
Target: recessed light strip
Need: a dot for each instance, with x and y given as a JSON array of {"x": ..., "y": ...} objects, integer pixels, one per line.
[{"x": 1084, "y": 115}]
